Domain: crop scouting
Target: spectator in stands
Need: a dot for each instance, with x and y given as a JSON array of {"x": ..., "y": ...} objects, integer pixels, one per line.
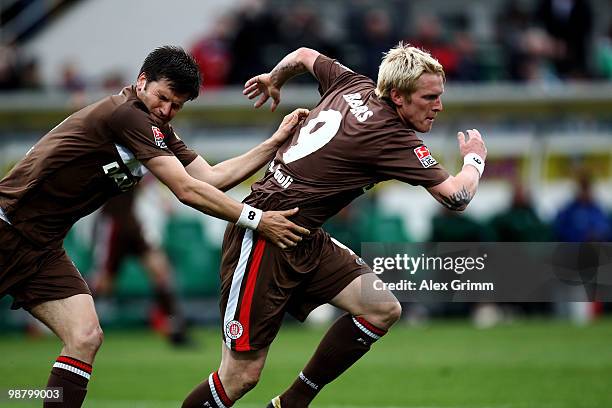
[
  {"x": 458, "y": 227},
  {"x": 541, "y": 53},
  {"x": 8, "y": 68},
  {"x": 583, "y": 219},
  {"x": 112, "y": 81},
  {"x": 30, "y": 75},
  {"x": 301, "y": 24},
  {"x": 377, "y": 38},
  {"x": 16, "y": 70},
  {"x": 257, "y": 29},
  {"x": 569, "y": 23},
  {"x": 212, "y": 53},
  {"x": 71, "y": 79},
  {"x": 520, "y": 222},
  {"x": 469, "y": 66},
  {"x": 430, "y": 36},
  {"x": 512, "y": 22},
  {"x": 528, "y": 50}
]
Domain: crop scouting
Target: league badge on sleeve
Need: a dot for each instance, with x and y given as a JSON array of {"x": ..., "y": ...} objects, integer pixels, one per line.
[
  {"x": 158, "y": 136},
  {"x": 426, "y": 159}
]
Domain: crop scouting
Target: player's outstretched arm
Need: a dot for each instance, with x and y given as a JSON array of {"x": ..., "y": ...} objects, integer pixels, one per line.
[
  {"x": 231, "y": 172},
  {"x": 455, "y": 193},
  {"x": 273, "y": 225},
  {"x": 268, "y": 85}
]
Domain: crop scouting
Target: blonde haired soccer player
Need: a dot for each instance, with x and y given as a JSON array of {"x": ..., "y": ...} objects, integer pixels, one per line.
[{"x": 359, "y": 134}]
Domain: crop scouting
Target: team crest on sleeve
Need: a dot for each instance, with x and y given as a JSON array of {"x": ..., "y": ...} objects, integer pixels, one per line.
[
  {"x": 233, "y": 329},
  {"x": 158, "y": 136},
  {"x": 426, "y": 159}
]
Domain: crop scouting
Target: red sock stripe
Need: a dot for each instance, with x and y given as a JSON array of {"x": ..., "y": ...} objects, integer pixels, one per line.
[
  {"x": 242, "y": 343},
  {"x": 371, "y": 327},
  {"x": 75, "y": 363},
  {"x": 220, "y": 391}
]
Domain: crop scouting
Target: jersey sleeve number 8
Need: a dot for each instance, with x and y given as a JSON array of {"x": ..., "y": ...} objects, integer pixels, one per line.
[{"x": 308, "y": 142}]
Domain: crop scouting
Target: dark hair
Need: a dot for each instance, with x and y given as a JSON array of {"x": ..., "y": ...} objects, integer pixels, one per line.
[{"x": 175, "y": 65}]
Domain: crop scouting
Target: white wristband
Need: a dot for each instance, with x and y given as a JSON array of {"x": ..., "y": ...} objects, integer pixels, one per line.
[
  {"x": 249, "y": 217},
  {"x": 476, "y": 161}
]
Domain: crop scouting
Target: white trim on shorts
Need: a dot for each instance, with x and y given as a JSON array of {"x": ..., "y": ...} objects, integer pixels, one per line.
[{"x": 232, "y": 300}]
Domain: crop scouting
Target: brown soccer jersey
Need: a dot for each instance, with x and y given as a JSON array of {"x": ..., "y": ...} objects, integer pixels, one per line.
[
  {"x": 91, "y": 156},
  {"x": 350, "y": 141}
]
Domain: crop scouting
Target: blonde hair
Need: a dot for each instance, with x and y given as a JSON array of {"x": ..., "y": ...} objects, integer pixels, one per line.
[{"x": 402, "y": 66}]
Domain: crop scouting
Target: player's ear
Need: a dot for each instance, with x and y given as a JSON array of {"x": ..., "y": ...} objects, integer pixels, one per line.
[
  {"x": 397, "y": 97},
  {"x": 141, "y": 81}
]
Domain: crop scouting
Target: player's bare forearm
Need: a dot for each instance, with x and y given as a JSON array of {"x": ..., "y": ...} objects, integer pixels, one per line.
[
  {"x": 273, "y": 226},
  {"x": 231, "y": 172},
  {"x": 202, "y": 196},
  {"x": 265, "y": 86},
  {"x": 295, "y": 63},
  {"x": 228, "y": 173},
  {"x": 193, "y": 192},
  {"x": 456, "y": 192}
]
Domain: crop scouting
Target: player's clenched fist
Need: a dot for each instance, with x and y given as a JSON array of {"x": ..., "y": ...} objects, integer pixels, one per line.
[{"x": 474, "y": 144}]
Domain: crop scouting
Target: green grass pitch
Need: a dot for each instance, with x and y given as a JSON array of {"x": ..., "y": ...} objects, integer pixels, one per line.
[{"x": 543, "y": 364}]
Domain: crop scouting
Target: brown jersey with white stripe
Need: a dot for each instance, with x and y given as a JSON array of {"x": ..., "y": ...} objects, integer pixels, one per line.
[
  {"x": 350, "y": 141},
  {"x": 91, "y": 156}
]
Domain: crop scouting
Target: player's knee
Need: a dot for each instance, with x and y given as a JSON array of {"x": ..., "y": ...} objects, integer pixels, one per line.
[
  {"x": 87, "y": 340},
  {"x": 394, "y": 312},
  {"x": 387, "y": 314}
]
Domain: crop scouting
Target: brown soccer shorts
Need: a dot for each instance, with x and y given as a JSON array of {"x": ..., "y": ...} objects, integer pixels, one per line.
[
  {"x": 34, "y": 275},
  {"x": 260, "y": 282}
]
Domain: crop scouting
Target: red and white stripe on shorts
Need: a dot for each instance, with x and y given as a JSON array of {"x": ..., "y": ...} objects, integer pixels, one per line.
[{"x": 236, "y": 326}]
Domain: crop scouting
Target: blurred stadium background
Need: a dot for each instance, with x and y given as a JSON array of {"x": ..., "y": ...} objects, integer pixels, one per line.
[{"x": 534, "y": 76}]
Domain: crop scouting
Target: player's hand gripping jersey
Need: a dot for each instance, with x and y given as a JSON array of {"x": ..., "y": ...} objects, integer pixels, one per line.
[
  {"x": 350, "y": 141},
  {"x": 91, "y": 156}
]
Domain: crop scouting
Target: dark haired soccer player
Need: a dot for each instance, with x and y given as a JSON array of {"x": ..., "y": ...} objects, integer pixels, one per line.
[
  {"x": 97, "y": 153},
  {"x": 360, "y": 133}
]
